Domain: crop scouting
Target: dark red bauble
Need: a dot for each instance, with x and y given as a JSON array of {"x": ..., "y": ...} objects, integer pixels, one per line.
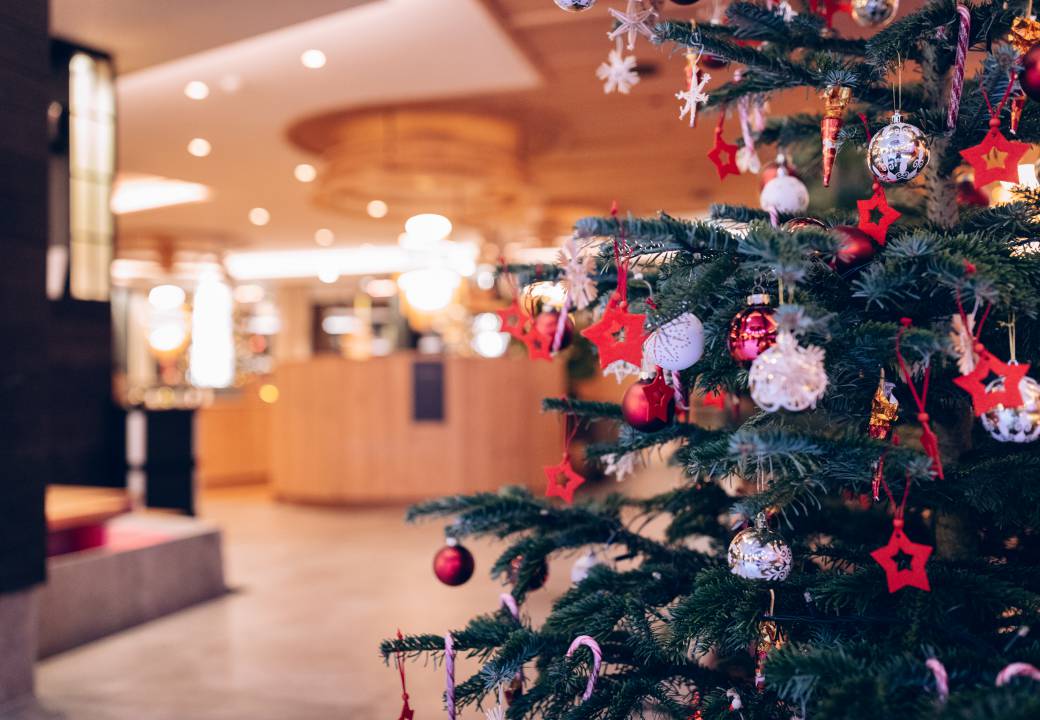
[
  {"x": 969, "y": 195},
  {"x": 770, "y": 170},
  {"x": 712, "y": 62},
  {"x": 1029, "y": 76},
  {"x": 800, "y": 223},
  {"x": 453, "y": 565},
  {"x": 642, "y": 412},
  {"x": 546, "y": 323},
  {"x": 752, "y": 330},
  {"x": 856, "y": 248},
  {"x": 538, "y": 577}
]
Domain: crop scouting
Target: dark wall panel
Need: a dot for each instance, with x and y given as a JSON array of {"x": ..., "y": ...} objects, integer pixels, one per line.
[{"x": 24, "y": 360}]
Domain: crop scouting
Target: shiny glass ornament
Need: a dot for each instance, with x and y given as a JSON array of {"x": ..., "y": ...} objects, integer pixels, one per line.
[
  {"x": 574, "y": 5},
  {"x": 453, "y": 564},
  {"x": 649, "y": 404},
  {"x": 898, "y": 152},
  {"x": 873, "y": 13},
  {"x": 545, "y": 322},
  {"x": 758, "y": 553},
  {"x": 753, "y": 329},
  {"x": 801, "y": 223},
  {"x": 787, "y": 375},
  {"x": 677, "y": 344},
  {"x": 1018, "y": 424}
]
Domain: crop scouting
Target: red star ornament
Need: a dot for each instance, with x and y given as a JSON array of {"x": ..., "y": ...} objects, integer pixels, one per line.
[
  {"x": 974, "y": 383},
  {"x": 878, "y": 203},
  {"x": 562, "y": 480},
  {"x": 903, "y": 561},
  {"x": 722, "y": 154},
  {"x": 514, "y": 320},
  {"x": 829, "y": 8},
  {"x": 538, "y": 343},
  {"x": 618, "y": 335},
  {"x": 995, "y": 158},
  {"x": 658, "y": 397}
]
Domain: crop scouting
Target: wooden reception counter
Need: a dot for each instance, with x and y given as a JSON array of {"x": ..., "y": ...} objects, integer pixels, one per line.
[{"x": 408, "y": 426}]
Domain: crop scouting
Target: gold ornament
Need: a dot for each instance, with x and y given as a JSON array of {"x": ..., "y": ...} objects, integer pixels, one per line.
[
  {"x": 1025, "y": 33},
  {"x": 770, "y": 638},
  {"x": 884, "y": 409}
]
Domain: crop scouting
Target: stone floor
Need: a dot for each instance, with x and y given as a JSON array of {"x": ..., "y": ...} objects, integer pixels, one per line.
[{"x": 316, "y": 590}]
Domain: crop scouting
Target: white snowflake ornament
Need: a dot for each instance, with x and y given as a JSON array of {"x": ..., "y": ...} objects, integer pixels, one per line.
[
  {"x": 618, "y": 73},
  {"x": 633, "y": 22},
  {"x": 692, "y": 97},
  {"x": 621, "y": 466},
  {"x": 788, "y": 375},
  {"x": 620, "y": 369}
]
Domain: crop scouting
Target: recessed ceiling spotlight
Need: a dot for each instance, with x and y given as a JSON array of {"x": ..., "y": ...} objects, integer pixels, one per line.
[
  {"x": 377, "y": 209},
  {"x": 313, "y": 59},
  {"x": 324, "y": 237},
  {"x": 328, "y": 275},
  {"x": 197, "y": 90},
  {"x": 428, "y": 227},
  {"x": 199, "y": 147},
  {"x": 305, "y": 172},
  {"x": 259, "y": 216}
]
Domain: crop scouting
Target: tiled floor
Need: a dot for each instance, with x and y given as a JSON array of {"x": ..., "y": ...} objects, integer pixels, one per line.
[{"x": 317, "y": 590}]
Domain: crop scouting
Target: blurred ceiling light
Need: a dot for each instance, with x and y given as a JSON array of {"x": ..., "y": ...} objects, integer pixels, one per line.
[
  {"x": 259, "y": 216},
  {"x": 197, "y": 90},
  {"x": 211, "y": 361},
  {"x": 428, "y": 227},
  {"x": 546, "y": 292},
  {"x": 328, "y": 275},
  {"x": 268, "y": 393},
  {"x": 166, "y": 297},
  {"x": 313, "y": 59},
  {"x": 340, "y": 324},
  {"x": 134, "y": 193},
  {"x": 429, "y": 290},
  {"x": 324, "y": 237},
  {"x": 167, "y": 337},
  {"x": 485, "y": 277},
  {"x": 487, "y": 322},
  {"x": 490, "y": 344},
  {"x": 381, "y": 288},
  {"x": 199, "y": 147},
  {"x": 377, "y": 209},
  {"x": 305, "y": 172},
  {"x": 249, "y": 293},
  {"x": 264, "y": 324},
  {"x": 247, "y": 265}
]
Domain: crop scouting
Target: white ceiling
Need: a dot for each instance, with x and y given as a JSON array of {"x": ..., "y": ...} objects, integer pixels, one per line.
[{"x": 378, "y": 52}]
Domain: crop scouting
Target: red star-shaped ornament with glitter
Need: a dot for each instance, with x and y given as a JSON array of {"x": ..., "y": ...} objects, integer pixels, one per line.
[
  {"x": 562, "y": 480},
  {"x": 618, "y": 335},
  {"x": 723, "y": 155},
  {"x": 658, "y": 398},
  {"x": 538, "y": 343},
  {"x": 875, "y": 215},
  {"x": 514, "y": 320},
  {"x": 996, "y": 157},
  {"x": 903, "y": 561},
  {"x": 975, "y": 382}
]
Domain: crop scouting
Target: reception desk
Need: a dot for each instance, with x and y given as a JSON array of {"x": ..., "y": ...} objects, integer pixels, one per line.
[{"x": 407, "y": 427}]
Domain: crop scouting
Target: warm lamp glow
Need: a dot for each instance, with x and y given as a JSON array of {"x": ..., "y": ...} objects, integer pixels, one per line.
[
  {"x": 268, "y": 393},
  {"x": 305, "y": 172},
  {"x": 259, "y": 216},
  {"x": 212, "y": 357},
  {"x": 313, "y": 59},
  {"x": 199, "y": 147},
  {"x": 148, "y": 192},
  {"x": 428, "y": 227},
  {"x": 328, "y": 275},
  {"x": 166, "y": 297},
  {"x": 324, "y": 237},
  {"x": 377, "y": 209},
  {"x": 488, "y": 340},
  {"x": 197, "y": 90},
  {"x": 429, "y": 290}
]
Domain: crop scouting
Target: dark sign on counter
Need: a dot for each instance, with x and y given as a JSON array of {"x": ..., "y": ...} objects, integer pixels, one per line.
[{"x": 428, "y": 391}]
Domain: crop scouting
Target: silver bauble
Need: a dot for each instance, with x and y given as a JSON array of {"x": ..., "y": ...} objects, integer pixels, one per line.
[
  {"x": 758, "y": 553},
  {"x": 1019, "y": 424},
  {"x": 574, "y": 5},
  {"x": 898, "y": 152},
  {"x": 874, "y": 13},
  {"x": 785, "y": 193}
]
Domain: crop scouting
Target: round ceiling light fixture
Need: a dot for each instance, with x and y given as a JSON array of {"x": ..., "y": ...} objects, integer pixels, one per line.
[
  {"x": 196, "y": 90},
  {"x": 259, "y": 216},
  {"x": 429, "y": 227},
  {"x": 305, "y": 172},
  {"x": 199, "y": 147},
  {"x": 313, "y": 59}
]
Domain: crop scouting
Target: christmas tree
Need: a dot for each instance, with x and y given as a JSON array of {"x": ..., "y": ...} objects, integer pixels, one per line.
[{"x": 861, "y": 541}]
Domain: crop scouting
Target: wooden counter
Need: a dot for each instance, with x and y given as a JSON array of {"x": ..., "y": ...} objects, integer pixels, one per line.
[{"x": 343, "y": 431}]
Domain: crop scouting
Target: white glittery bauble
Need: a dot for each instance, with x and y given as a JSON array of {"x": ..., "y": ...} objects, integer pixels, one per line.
[
  {"x": 1020, "y": 424},
  {"x": 758, "y": 553},
  {"x": 898, "y": 152},
  {"x": 873, "y": 13},
  {"x": 786, "y": 194},
  {"x": 574, "y": 5},
  {"x": 677, "y": 344},
  {"x": 582, "y": 566},
  {"x": 787, "y": 375}
]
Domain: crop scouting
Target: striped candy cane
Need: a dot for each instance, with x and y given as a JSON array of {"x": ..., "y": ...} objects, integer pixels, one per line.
[
  {"x": 957, "y": 81},
  {"x": 449, "y": 669},
  {"x": 1015, "y": 670},
  {"x": 942, "y": 680},
  {"x": 597, "y": 660}
]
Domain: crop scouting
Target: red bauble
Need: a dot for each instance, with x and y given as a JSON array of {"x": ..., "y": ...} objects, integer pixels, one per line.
[
  {"x": 801, "y": 223},
  {"x": 453, "y": 564},
  {"x": 649, "y": 404},
  {"x": 1029, "y": 77},
  {"x": 712, "y": 62},
  {"x": 968, "y": 194},
  {"x": 538, "y": 577},
  {"x": 546, "y": 323},
  {"x": 753, "y": 330},
  {"x": 856, "y": 248}
]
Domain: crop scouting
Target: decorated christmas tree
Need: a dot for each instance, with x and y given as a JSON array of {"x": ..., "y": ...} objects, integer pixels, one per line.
[{"x": 859, "y": 539}]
